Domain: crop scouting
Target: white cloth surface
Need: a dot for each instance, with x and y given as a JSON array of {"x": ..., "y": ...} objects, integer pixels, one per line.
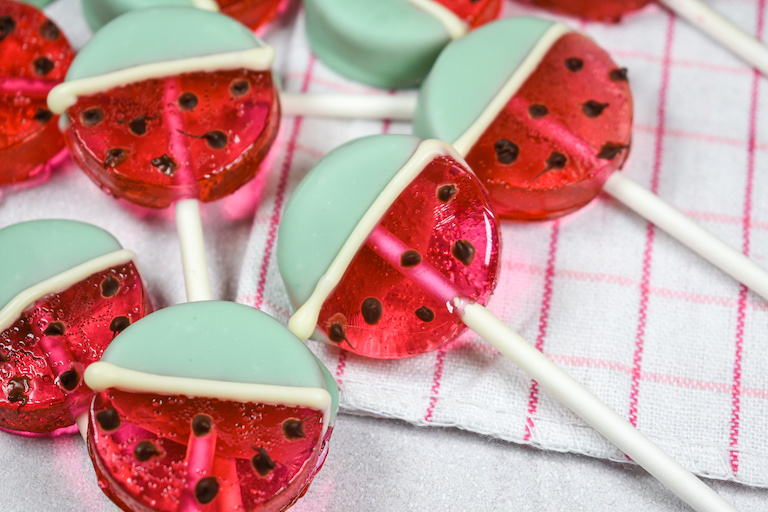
[{"x": 686, "y": 379}]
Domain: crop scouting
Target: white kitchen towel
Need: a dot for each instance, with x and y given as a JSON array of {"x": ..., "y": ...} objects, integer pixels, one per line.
[{"x": 669, "y": 342}]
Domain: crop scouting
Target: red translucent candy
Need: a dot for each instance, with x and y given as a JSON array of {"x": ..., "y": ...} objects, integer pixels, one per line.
[
  {"x": 35, "y": 57},
  {"x": 43, "y": 354},
  {"x": 561, "y": 136},
  {"x": 384, "y": 314},
  {"x": 249, "y": 12},
  {"x": 179, "y": 454},
  {"x": 606, "y": 10},
  {"x": 199, "y": 135},
  {"x": 474, "y": 12}
]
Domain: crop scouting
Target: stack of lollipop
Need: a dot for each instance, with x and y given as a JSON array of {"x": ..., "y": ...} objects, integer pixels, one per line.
[{"x": 176, "y": 106}]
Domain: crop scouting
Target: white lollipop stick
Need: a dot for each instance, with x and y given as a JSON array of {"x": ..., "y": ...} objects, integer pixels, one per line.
[
  {"x": 552, "y": 378},
  {"x": 708, "y": 246},
  {"x": 721, "y": 30},
  {"x": 358, "y": 106}
]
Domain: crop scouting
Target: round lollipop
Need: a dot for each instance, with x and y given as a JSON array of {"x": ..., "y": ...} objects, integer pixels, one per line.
[
  {"x": 68, "y": 289},
  {"x": 357, "y": 270},
  {"x": 35, "y": 57},
  {"x": 209, "y": 406}
]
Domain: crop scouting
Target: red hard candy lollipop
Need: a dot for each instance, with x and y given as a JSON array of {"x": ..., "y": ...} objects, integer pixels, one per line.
[
  {"x": 606, "y": 10},
  {"x": 35, "y": 57},
  {"x": 68, "y": 289}
]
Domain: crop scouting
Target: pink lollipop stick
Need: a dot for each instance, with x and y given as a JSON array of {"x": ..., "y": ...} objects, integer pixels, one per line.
[
  {"x": 552, "y": 378},
  {"x": 201, "y": 450},
  {"x": 27, "y": 85}
]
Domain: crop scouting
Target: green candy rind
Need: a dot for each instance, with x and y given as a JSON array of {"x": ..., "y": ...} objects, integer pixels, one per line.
[
  {"x": 161, "y": 34},
  {"x": 100, "y": 12},
  {"x": 328, "y": 204},
  {"x": 33, "y": 251},
  {"x": 385, "y": 43},
  {"x": 461, "y": 84}
]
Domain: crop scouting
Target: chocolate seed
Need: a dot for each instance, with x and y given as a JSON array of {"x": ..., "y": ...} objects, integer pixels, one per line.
[
  {"x": 49, "y": 30},
  {"x": 216, "y": 139},
  {"x": 92, "y": 116},
  {"x": 262, "y": 463},
  {"x": 118, "y": 324},
  {"x": 145, "y": 450},
  {"x": 115, "y": 157},
  {"x": 336, "y": 333},
  {"x": 506, "y": 151},
  {"x": 69, "y": 379},
  {"x": 464, "y": 251},
  {"x": 165, "y": 164},
  {"x": 593, "y": 108},
  {"x": 618, "y": 75},
  {"x": 138, "y": 126},
  {"x": 574, "y": 64},
  {"x": 55, "y": 329},
  {"x": 108, "y": 420},
  {"x": 425, "y": 314},
  {"x": 239, "y": 87},
  {"x": 7, "y": 26},
  {"x": 187, "y": 101},
  {"x": 43, "y": 115},
  {"x": 410, "y": 258},
  {"x": 110, "y": 286},
  {"x": 537, "y": 111},
  {"x": 17, "y": 390},
  {"x": 206, "y": 490},
  {"x": 556, "y": 161},
  {"x": 4, "y": 358},
  {"x": 371, "y": 310},
  {"x": 611, "y": 150},
  {"x": 446, "y": 192},
  {"x": 43, "y": 65},
  {"x": 293, "y": 429},
  {"x": 202, "y": 425}
]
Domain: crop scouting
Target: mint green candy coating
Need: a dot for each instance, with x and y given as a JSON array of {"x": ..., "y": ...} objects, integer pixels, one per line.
[
  {"x": 99, "y": 12},
  {"x": 328, "y": 204},
  {"x": 218, "y": 341},
  {"x": 161, "y": 34},
  {"x": 385, "y": 43},
  {"x": 31, "y": 252},
  {"x": 470, "y": 72}
]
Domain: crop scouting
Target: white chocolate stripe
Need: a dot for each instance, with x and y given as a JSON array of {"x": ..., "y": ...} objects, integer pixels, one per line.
[
  {"x": 455, "y": 26},
  {"x": 65, "y": 94},
  {"x": 303, "y": 321},
  {"x": 468, "y": 139},
  {"x": 101, "y": 375},
  {"x": 208, "y": 5},
  {"x": 60, "y": 282}
]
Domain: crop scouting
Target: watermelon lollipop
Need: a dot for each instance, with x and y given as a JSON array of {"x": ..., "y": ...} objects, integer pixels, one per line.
[
  {"x": 605, "y": 10},
  {"x": 389, "y": 43},
  {"x": 209, "y": 406},
  {"x": 35, "y": 57},
  {"x": 68, "y": 289}
]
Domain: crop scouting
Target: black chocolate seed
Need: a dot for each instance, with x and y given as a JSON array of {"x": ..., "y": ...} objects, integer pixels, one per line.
[
  {"x": 506, "y": 151},
  {"x": 109, "y": 286},
  {"x": 446, "y": 192},
  {"x": 611, "y": 150},
  {"x": 3, "y": 358},
  {"x": 43, "y": 65},
  {"x": 165, "y": 164},
  {"x": 537, "y": 111},
  {"x": 187, "y": 101},
  {"x": 371, "y": 310},
  {"x": 336, "y": 333},
  {"x": 574, "y": 64},
  {"x": 115, "y": 157},
  {"x": 262, "y": 463},
  {"x": 618, "y": 75},
  {"x": 202, "y": 425},
  {"x": 7, "y": 26},
  {"x": 425, "y": 314},
  {"x": 464, "y": 251},
  {"x": 293, "y": 429},
  {"x": 108, "y": 420},
  {"x": 118, "y": 324},
  {"x": 138, "y": 126},
  {"x": 43, "y": 115},
  {"x": 239, "y": 87},
  {"x": 216, "y": 139},
  {"x": 410, "y": 258},
  {"x": 92, "y": 116},
  {"x": 556, "y": 161},
  {"x": 206, "y": 490},
  {"x": 49, "y": 30},
  {"x": 55, "y": 329},
  {"x": 69, "y": 379},
  {"x": 593, "y": 108},
  {"x": 17, "y": 390},
  {"x": 145, "y": 450}
]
